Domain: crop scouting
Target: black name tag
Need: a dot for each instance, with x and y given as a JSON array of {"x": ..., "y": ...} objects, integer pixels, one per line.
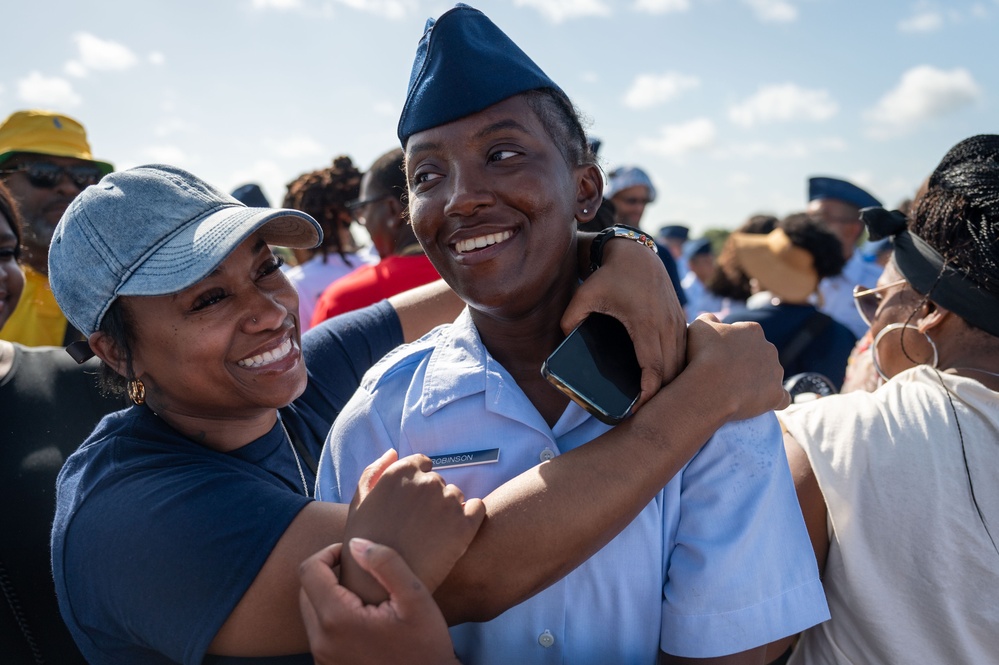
[{"x": 470, "y": 458}]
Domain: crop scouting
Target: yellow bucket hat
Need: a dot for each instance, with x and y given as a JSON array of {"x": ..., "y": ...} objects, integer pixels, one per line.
[
  {"x": 46, "y": 133},
  {"x": 784, "y": 269}
]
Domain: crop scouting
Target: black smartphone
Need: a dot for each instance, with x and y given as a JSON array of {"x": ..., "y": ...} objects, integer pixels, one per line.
[{"x": 597, "y": 368}]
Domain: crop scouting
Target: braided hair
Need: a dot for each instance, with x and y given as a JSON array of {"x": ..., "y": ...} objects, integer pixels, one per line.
[
  {"x": 324, "y": 194},
  {"x": 959, "y": 213}
]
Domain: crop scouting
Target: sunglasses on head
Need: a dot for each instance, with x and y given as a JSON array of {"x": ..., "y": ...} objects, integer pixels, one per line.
[
  {"x": 46, "y": 175},
  {"x": 868, "y": 301}
]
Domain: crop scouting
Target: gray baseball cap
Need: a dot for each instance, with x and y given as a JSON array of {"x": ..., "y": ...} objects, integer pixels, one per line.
[{"x": 150, "y": 231}]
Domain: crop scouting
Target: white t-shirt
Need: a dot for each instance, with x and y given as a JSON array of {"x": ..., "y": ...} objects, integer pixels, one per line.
[{"x": 912, "y": 576}]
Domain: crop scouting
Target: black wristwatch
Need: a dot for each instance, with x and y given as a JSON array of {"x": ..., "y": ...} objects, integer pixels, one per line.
[{"x": 617, "y": 231}]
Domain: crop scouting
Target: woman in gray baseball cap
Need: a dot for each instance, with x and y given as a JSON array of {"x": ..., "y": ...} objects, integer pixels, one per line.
[{"x": 182, "y": 521}]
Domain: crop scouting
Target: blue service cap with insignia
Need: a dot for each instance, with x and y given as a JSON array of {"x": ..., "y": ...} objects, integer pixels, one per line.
[
  {"x": 834, "y": 188},
  {"x": 464, "y": 64}
]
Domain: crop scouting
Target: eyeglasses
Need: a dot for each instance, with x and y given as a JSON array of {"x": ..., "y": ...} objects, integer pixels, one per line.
[
  {"x": 357, "y": 206},
  {"x": 868, "y": 301},
  {"x": 46, "y": 175}
]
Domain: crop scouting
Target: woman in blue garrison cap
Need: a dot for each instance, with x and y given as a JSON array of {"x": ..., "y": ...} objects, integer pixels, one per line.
[{"x": 715, "y": 565}]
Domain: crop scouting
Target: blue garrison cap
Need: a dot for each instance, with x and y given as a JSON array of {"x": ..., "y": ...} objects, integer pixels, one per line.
[
  {"x": 841, "y": 190},
  {"x": 697, "y": 247},
  {"x": 624, "y": 177},
  {"x": 251, "y": 195},
  {"x": 464, "y": 64},
  {"x": 674, "y": 231}
]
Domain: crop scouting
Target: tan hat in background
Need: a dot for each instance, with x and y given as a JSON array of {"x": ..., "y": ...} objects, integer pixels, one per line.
[
  {"x": 784, "y": 269},
  {"x": 46, "y": 133}
]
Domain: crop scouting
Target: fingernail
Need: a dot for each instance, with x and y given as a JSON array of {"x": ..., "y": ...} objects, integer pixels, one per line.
[{"x": 360, "y": 547}]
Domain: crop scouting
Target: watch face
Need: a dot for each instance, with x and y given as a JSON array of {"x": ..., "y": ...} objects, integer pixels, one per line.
[{"x": 811, "y": 383}]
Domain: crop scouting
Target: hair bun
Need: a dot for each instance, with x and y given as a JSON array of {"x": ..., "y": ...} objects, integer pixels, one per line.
[{"x": 882, "y": 223}]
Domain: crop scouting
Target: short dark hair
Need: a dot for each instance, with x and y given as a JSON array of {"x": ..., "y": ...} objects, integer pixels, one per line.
[
  {"x": 814, "y": 237},
  {"x": 563, "y": 123},
  {"x": 388, "y": 174},
  {"x": 118, "y": 325},
  {"x": 8, "y": 208}
]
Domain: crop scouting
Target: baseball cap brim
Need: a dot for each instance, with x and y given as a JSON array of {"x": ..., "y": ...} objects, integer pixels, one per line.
[
  {"x": 105, "y": 167},
  {"x": 199, "y": 247}
]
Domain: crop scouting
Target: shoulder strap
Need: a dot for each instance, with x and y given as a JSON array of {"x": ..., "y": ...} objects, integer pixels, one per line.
[{"x": 813, "y": 326}]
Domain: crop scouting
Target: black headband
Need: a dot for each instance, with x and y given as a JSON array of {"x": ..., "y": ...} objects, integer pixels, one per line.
[{"x": 930, "y": 274}]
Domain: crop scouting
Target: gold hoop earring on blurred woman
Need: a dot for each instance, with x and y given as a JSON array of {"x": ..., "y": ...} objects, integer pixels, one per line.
[{"x": 891, "y": 327}]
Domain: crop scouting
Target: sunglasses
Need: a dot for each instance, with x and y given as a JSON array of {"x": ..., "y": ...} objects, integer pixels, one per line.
[
  {"x": 868, "y": 301},
  {"x": 46, "y": 175}
]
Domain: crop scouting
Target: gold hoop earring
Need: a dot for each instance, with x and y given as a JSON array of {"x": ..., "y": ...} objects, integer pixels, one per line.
[
  {"x": 136, "y": 391},
  {"x": 900, "y": 326}
]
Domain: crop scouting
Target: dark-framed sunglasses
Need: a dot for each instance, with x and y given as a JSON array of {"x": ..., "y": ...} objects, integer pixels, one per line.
[
  {"x": 46, "y": 175},
  {"x": 868, "y": 301}
]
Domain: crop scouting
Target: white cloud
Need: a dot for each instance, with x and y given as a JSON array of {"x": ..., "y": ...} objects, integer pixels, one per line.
[
  {"x": 75, "y": 69},
  {"x": 170, "y": 126},
  {"x": 790, "y": 149},
  {"x": 773, "y": 11},
  {"x": 165, "y": 154},
  {"x": 557, "y": 11},
  {"x": 156, "y": 58},
  {"x": 978, "y": 10},
  {"x": 590, "y": 77},
  {"x": 390, "y": 9},
  {"x": 783, "y": 103},
  {"x": 47, "y": 92},
  {"x": 923, "y": 93},
  {"x": 279, "y": 5},
  {"x": 650, "y": 90},
  {"x": 923, "y": 21},
  {"x": 100, "y": 54},
  {"x": 662, "y": 6},
  {"x": 678, "y": 140},
  {"x": 294, "y": 147}
]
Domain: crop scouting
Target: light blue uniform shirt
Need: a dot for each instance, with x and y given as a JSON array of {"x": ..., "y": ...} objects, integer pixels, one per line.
[{"x": 717, "y": 563}]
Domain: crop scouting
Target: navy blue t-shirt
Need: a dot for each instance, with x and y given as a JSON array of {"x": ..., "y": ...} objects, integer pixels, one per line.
[
  {"x": 827, "y": 352},
  {"x": 156, "y": 538}
]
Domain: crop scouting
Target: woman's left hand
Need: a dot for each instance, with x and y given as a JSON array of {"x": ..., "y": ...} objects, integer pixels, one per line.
[
  {"x": 408, "y": 627},
  {"x": 632, "y": 285}
]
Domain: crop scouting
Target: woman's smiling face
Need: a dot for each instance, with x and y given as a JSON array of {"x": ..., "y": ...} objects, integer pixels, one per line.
[
  {"x": 493, "y": 202},
  {"x": 228, "y": 346}
]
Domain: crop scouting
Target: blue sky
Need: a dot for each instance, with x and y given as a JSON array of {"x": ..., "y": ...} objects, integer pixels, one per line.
[{"x": 729, "y": 104}]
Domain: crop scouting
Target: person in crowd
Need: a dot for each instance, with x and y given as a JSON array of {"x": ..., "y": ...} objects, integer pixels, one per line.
[
  {"x": 199, "y": 495},
  {"x": 897, "y": 486},
  {"x": 251, "y": 195},
  {"x": 729, "y": 281},
  {"x": 325, "y": 195},
  {"x": 381, "y": 209},
  {"x": 837, "y": 204},
  {"x": 700, "y": 260},
  {"x": 45, "y": 161},
  {"x": 674, "y": 238},
  {"x": 630, "y": 189},
  {"x": 48, "y": 404},
  {"x": 497, "y": 184},
  {"x": 785, "y": 267}
]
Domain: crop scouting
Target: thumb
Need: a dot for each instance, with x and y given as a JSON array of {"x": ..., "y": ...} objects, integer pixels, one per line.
[{"x": 406, "y": 592}]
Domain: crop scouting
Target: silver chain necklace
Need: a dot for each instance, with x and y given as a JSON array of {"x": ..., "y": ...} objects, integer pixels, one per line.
[{"x": 298, "y": 463}]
